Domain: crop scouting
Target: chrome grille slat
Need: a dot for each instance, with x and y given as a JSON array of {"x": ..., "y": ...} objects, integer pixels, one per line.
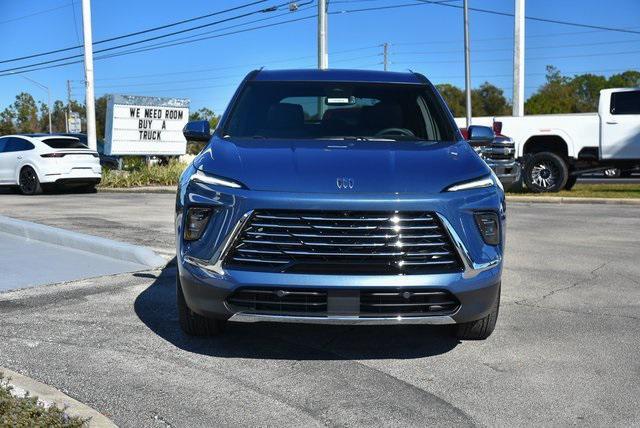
[
  {"x": 380, "y": 305},
  {"x": 344, "y": 242},
  {"x": 247, "y": 259},
  {"x": 434, "y": 262},
  {"x": 348, "y": 254},
  {"x": 256, "y": 301}
]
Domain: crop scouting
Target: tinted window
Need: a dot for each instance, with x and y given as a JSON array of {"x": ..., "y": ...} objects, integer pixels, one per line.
[
  {"x": 625, "y": 102},
  {"x": 17, "y": 145},
  {"x": 313, "y": 110},
  {"x": 3, "y": 142},
  {"x": 64, "y": 143}
]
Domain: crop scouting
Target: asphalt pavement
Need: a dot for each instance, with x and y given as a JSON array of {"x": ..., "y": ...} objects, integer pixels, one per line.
[{"x": 564, "y": 350}]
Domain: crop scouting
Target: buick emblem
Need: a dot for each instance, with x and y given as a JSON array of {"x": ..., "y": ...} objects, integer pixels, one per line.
[{"x": 344, "y": 183}]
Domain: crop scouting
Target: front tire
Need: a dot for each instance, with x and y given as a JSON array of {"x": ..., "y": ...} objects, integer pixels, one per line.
[
  {"x": 545, "y": 172},
  {"x": 571, "y": 181},
  {"x": 28, "y": 182},
  {"x": 482, "y": 328},
  {"x": 194, "y": 324}
]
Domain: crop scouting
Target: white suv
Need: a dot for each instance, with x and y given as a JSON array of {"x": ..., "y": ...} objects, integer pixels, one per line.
[{"x": 34, "y": 161}]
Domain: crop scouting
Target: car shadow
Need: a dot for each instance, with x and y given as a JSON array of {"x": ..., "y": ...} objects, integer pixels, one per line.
[{"x": 156, "y": 308}]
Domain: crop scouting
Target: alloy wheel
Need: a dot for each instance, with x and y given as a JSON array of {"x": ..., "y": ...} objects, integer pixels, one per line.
[
  {"x": 28, "y": 181},
  {"x": 545, "y": 174}
]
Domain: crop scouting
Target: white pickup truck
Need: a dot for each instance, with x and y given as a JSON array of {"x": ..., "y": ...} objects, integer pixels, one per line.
[{"x": 555, "y": 149}]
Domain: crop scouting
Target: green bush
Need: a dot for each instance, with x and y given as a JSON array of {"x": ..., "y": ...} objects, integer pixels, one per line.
[
  {"x": 154, "y": 175},
  {"x": 27, "y": 412},
  {"x": 133, "y": 163}
]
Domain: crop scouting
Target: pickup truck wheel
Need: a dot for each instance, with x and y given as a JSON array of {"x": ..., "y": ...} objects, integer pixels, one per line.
[
  {"x": 571, "y": 181},
  {"x": 545, "y": 172},
  {"x": 194, "y": 324},
  {"x": 482, "y": 328}
]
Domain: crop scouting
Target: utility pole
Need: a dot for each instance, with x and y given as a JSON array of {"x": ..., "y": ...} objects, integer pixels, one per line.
[
  {"x": 88, "y": 72},
  {"x": 385, "y": 55},
  {"x": 46, "y": 88},
  {"x": 68, "y": 115},
  {"x": 323, "y": 56},
  {"x": 467, "y": 62},
  {"x": 518, "y": 59}
]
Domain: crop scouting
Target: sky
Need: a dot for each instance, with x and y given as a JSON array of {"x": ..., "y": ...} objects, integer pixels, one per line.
[{"x": 422, "y": 37}]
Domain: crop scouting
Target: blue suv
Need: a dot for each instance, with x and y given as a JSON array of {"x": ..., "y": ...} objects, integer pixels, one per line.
[{"x": 338, "y": 197}]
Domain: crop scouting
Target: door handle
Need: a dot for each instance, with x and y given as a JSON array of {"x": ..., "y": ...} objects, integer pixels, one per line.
[
  {"x": 611, "y": 122},
  {"x": 19, "y": 157}
]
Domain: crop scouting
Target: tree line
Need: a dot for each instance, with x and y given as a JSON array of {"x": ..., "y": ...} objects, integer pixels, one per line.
[{"x": 559, "y": 94}]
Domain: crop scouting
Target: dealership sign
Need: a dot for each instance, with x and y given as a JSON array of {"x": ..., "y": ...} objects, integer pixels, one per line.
[{"x": 138, "y": 125}]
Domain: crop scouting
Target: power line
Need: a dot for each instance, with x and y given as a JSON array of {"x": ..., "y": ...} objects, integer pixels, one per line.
[
  {"x": 273, "y": 8},
  {"x": 530, "y": 58},
  {"x": 34, "y": 14},
  {"x": 532, "y": 18},
  {"x": 204, "y": 70},
  {"x": 169, "y": 43},
  {"x": 139, "y": 50},
  {"x": 75, "y": 21},
  {"x": 396, "y": 6},
  {"x": 136, "y": 33},
  {"x": 511, "y": 49}
]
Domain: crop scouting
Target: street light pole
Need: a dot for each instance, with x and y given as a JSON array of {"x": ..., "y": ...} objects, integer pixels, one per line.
[
  {"x": 518, "y": 60},
  {"x": 467, "y": 63},
  {"x": 88, "y": 72},
  {"x": 46, "y": 88},
  {"x": 323, "y": 56}
]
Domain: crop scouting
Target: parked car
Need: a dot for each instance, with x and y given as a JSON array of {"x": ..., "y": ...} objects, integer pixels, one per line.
[
  {"x": 107, "y": 161},
  {"x": 555, "y": 149},
  {"x": 338, "y": 196},
  {"x": 498, "y": 151},
  {"x": 35, "y": 161}
]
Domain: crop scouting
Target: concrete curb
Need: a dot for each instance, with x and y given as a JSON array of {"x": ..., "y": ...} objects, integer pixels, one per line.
[
  {"x": 79, "y": 241},
  {"x": 48, "y": 395},
  {"x": 143, "y": 189},
  {"x": 565, "y": 200}
]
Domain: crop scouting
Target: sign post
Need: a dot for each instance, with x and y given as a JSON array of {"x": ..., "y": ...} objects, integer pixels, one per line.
[
  {"x": 74, "y": 124},
  {"x": 146, "y": 126}
]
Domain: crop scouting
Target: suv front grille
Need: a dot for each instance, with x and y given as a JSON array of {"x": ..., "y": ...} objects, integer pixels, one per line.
[
  {"x": 350, "y": 242},
  {"x": 365, "y": 303}
]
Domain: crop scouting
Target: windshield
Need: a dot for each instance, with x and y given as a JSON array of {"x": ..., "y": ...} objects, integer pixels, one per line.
[{"x": 327, "y": 110}]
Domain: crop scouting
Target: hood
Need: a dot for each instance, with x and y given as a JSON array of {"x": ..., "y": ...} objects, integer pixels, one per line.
[{"x": 316, "y": 166}]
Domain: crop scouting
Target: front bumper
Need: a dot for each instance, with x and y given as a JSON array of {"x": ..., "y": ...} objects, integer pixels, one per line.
[
  {"x": 508, "y": 172},
  {"x": 343, "y": 320},
  {"x": 206, "y": 282}
]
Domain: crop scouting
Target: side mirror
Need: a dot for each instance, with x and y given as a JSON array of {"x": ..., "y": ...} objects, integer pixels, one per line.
[
  {"x": 480, "y": 134},
  {"x": 198, "y": 130}
]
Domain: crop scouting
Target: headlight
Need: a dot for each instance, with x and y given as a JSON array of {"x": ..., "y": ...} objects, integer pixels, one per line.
[
  {"x": 489, "y": 226},
  {"x": 196, "y": 221},
  {"x": 478, "y": 183},
  {"x": 202, "y": 177}
]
